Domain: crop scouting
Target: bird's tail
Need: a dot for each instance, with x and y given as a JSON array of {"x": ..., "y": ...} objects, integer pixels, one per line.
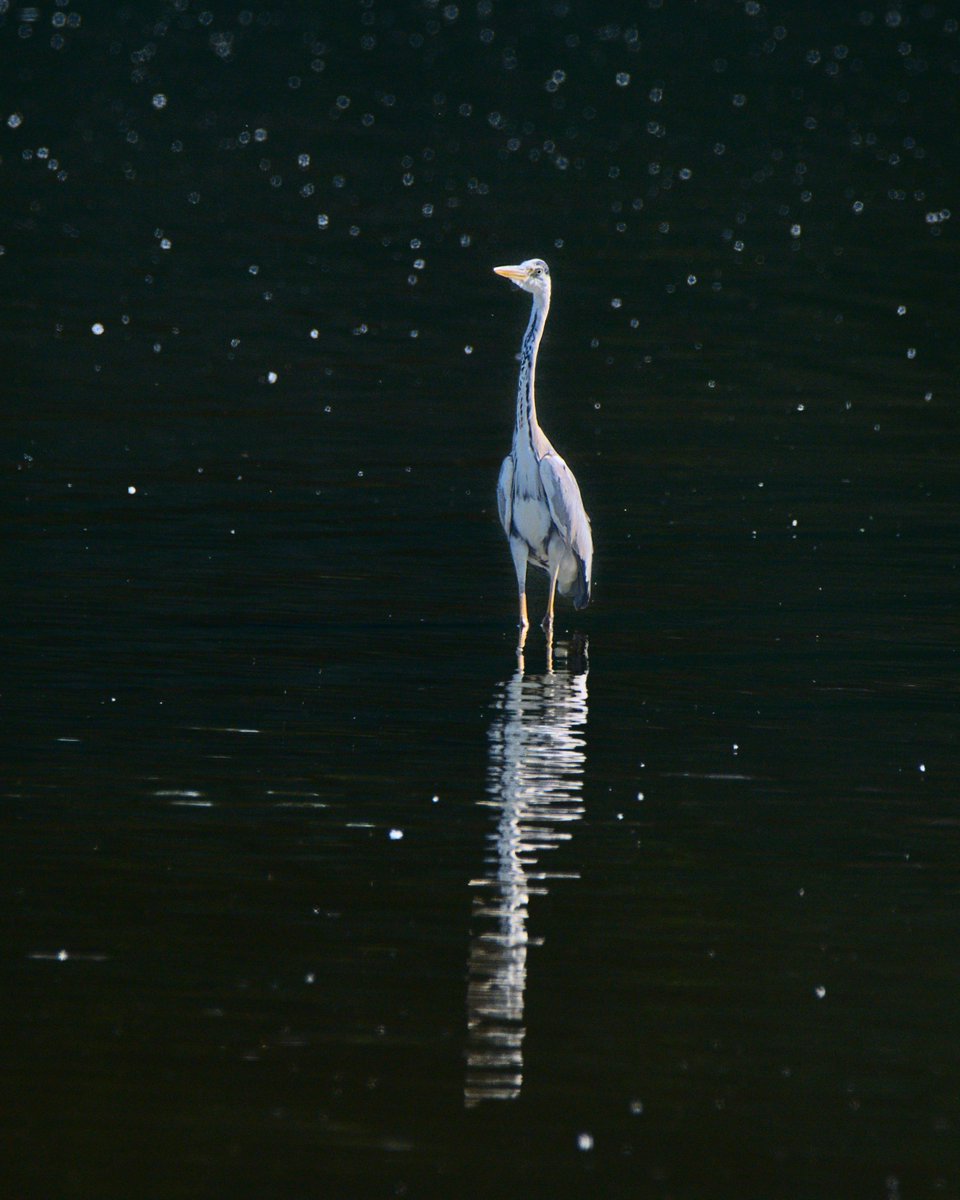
[{"x": 580, "y": 592}]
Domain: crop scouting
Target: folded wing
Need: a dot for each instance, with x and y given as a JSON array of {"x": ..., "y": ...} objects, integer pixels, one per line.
[
  {"x": 505, "y": 494},
  {"x": 567, "y": 511}
]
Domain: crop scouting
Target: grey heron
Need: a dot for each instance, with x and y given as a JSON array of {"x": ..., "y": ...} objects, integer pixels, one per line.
[{"x": 539, "y": 501}]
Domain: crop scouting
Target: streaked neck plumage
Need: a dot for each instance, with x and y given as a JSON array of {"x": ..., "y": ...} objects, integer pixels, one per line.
[{"x": 527, "y": 432}]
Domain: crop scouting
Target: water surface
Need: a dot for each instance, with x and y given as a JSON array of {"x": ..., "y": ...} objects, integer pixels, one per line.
[{"x": 313, "y": 887}]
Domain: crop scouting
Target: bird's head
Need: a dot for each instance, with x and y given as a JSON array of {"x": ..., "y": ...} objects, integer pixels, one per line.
[{"x": 533, "y": 276}]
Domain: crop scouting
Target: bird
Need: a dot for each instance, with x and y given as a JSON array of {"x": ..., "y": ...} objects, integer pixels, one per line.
[{"x": 538, "y": 498}]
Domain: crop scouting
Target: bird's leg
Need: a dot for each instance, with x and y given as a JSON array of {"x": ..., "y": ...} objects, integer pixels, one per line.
[
  {"x": 547, "y": 625},
  {"x": 522, "y": 627},
  {"x": 518, "y": 548}
]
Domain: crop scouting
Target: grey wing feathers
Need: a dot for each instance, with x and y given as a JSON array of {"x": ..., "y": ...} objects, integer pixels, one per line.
[
  {"x": 566, "y": 506},
  {"x": 505, "y": 494}
]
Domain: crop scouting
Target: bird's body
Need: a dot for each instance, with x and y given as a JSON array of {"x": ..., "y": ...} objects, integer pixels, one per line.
[{"x": 539, "y": 501}]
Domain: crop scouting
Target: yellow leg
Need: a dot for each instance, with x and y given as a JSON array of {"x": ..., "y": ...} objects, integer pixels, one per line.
[
  {"x": 551, "y": 592},
  {"x": 518, "y": 550}
]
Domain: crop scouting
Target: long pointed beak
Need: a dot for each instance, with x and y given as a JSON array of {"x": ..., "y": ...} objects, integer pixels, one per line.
[{"x": 517, "y": 274}]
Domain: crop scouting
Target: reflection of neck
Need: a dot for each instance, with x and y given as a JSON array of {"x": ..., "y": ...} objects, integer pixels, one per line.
[{"x": 526, "y": 400}]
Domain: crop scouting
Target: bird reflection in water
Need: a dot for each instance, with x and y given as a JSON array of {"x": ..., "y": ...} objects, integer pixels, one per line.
[{"x": 537, "y": 759}]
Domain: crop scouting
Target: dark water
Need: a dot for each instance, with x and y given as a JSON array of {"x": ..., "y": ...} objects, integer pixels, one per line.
[{"x": 309, "y": 890}]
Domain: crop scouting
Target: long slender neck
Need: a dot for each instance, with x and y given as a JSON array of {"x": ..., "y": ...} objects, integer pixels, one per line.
[{"x": 526, "y": 401}]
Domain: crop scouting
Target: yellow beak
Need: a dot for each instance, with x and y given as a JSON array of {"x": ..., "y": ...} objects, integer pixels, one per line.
[{"x": 517, "y": 274}]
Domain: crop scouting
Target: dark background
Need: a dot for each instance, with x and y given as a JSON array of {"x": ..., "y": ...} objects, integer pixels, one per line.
[{"x": 259, "y": 611}]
